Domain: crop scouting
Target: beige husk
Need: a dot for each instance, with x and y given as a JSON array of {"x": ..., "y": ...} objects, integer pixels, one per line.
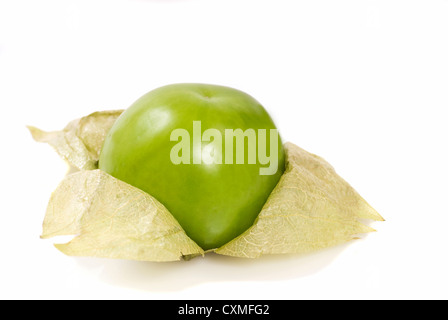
[
  {"x": 114, "y": 220},
  {"x": 80, "y": 142},
  {"x": 311, "y": 207}
]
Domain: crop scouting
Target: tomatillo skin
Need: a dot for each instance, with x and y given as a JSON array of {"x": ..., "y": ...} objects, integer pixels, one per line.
[{"x": 213, "y": 202}]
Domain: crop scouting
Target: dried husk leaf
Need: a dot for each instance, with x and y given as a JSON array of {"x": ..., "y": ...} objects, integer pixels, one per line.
[
  {"x": 112, "y": 219},
  {"x": 80, "y": 142},
  {"x": 311, "y": 208}
]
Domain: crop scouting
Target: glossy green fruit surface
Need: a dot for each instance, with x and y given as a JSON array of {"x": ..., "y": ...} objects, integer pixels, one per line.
[{"x": 214, "y": 202}]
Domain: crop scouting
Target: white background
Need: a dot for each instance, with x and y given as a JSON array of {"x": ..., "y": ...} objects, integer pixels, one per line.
[{"x": 362, "y": 83}]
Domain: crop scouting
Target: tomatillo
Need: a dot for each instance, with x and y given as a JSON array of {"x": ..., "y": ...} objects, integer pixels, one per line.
[{"x": 210, "y": 154}]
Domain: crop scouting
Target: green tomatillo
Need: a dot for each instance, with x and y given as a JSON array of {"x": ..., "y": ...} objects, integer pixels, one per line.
[{"x": 210, "y": 154}]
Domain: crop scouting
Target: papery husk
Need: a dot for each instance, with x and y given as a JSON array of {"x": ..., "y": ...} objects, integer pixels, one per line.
[
  {"x": 311, "y": 208},
  {"x": 112, "y": 219},
  {"x": 80, "y": 142}
]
